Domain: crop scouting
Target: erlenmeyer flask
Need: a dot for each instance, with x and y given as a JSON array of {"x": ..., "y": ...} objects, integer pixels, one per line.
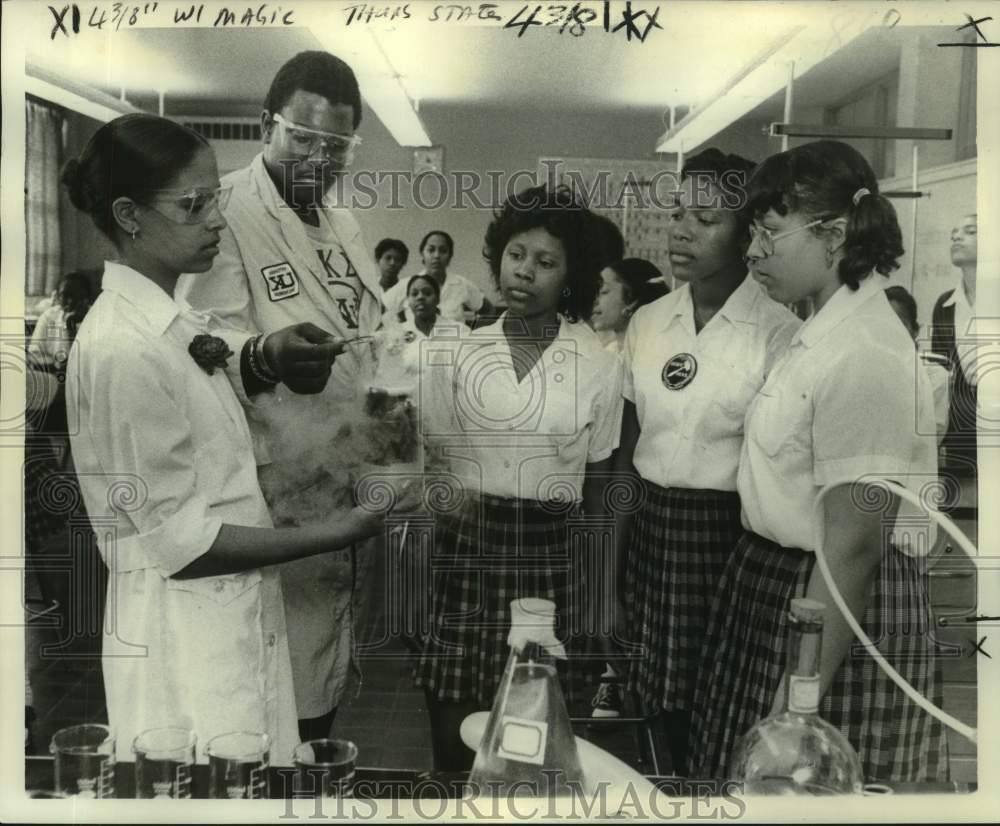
[{"x": 528, "y": 748}]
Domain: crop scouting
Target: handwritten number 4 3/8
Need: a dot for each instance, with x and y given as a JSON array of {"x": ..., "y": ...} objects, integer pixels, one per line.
[
  {"x": 575, "y": 19},
  {"x": 120, "y": 13}
]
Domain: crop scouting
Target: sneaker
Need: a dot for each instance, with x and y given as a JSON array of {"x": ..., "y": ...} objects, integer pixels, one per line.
[{"x": 608, "y": 701}]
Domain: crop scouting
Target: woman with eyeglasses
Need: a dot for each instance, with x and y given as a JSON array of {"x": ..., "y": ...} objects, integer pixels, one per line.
[
  {"x": 694, "y": 360},
  {"x": 841, "y": 407},
  {"x": 195, "y": 629}
]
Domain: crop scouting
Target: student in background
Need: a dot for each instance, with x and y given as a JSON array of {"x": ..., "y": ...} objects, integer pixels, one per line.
[
  {"x": 526, "y": 413},
  {"x": 391, "y": 256},
  {"x": 625, "y": 287},
  {"x": 461, "y": 300},
  {"x": 842, "y": 404},
  {"x": 57, "y": 325},
  {"x": 694, "y": 360},
  {"x": 953, "y": 337},
  {"x": 936, "y": 366},
  {"x": 423, "y": 295}
]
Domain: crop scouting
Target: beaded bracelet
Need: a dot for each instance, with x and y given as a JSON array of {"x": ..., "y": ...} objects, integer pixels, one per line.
[{"x": 258, "y": 366}]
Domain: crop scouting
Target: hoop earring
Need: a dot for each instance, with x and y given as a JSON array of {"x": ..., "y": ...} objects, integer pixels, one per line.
[
  {"x": 567, "y": 292},
  {"x": 829, "y": 259}
]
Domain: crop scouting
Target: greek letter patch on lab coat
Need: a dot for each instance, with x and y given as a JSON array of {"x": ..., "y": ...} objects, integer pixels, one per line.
[{"x": 281, "y": 281}]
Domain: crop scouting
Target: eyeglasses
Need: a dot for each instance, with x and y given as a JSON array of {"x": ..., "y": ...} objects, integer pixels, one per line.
[
  {"x": 765, "y": 238},
  {"x": 197, "y": 204},
  {"x": 307, "y": 141}
]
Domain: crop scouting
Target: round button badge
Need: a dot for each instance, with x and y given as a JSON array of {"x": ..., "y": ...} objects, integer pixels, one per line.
[{"x": 679, "y": 371}]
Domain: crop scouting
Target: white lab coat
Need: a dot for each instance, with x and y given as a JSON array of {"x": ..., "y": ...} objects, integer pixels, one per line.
[
  {"x": 164, "y": 459},
  {"x": 267, "y": 277}
]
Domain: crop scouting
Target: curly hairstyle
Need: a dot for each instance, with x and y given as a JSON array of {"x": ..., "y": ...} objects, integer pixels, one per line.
[
  {"x": 820, "y": 179},
  {"x": 320, "y": 73},
  {"x": 559, "y": 213},
  {"x": 131, "y": 156},
  {"x": 386, "y": 244}
]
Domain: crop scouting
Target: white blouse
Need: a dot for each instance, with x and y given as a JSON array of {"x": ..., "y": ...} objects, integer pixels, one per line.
[
  {"x": 164, "y": 458},
  {"x": 844, "y": 403},
  {"x": 460, "y": 299},
  {"x": 530, "y": 439},
  {"x": 691, "y": 390}
]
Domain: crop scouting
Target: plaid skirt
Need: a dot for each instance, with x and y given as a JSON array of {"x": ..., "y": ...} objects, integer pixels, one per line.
[
  {"x": 745, "y": 653},
  {"x": 488, "y": 553},
  {"x": 680, "y": 542}
]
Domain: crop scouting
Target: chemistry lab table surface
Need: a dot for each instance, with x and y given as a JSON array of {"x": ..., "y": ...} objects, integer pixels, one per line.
[{"x": 384, "y": 784}]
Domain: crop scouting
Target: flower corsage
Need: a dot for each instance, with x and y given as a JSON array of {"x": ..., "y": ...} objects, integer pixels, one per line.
[{"x": 209, "y": 352}]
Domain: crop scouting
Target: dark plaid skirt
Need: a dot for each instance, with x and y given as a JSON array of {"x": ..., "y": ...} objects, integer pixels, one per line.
[
  {"x": 680, "y": 542},
  {"x": 745, "y": 655},
  {"x": 490, "y": 552}
]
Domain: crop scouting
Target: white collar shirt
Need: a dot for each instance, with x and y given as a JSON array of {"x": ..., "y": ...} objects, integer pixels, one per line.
[
  {"x": 460, "y": 299},
  {"x": 531, "y": 439},
  {"x": 690, "y": 436},
  {"x": 844, "y": 403},
  {"x": 164, "y": 459}
]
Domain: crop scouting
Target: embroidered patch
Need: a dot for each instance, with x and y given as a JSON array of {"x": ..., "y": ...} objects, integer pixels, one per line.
[
  {"x": 281, "y": 281},
  {"x": 679, "y": 371}
]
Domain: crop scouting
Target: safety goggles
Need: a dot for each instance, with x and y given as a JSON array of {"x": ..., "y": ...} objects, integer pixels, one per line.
[
  {"x": 196, "y": 204},
  {"x": 307, "y": 142},
  {"x": 765, "y": 238}
]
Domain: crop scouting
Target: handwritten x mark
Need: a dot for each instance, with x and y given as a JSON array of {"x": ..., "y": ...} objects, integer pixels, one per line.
[
  {"x": 979, "y": 648},
  {"x": 975, "y": 25},
  {"x": 629, "y": 19}
]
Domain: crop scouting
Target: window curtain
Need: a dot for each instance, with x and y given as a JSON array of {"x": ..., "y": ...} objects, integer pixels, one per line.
[
  {"x": 42, "y": 164},
  {"x": 965, "y": 143}
]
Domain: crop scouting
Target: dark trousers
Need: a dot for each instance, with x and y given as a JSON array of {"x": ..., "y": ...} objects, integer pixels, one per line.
[{"x": 316, "y": 728}]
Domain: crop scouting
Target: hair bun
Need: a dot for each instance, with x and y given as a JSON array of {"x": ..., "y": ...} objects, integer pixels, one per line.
[{"x": 72, "y": 179}]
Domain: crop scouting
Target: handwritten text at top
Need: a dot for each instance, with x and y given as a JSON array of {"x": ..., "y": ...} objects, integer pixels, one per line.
[
  {"x": 71, "y": 18},
  {"x": 633, "y": 21}
]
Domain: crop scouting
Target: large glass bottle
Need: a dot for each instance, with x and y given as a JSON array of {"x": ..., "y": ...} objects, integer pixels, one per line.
[
  {"x": 797, "y": 751},
  {"x": 528, "y": 747}
]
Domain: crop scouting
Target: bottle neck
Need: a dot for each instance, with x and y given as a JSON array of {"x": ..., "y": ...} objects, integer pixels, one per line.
[{"x": 804, "y": 648}]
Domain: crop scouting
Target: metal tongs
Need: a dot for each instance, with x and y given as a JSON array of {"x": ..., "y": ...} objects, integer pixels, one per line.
[{"x": 349, "y": 341}]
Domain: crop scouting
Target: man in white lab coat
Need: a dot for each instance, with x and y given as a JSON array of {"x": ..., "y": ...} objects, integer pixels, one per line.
[{"x": 290, "y": 256}]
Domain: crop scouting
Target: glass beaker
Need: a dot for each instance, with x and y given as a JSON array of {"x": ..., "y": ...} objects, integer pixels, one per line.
[
  {"x": 163, "y": 761},
  {"x": 237, "y": 766},
  {"x": 325, "y": 767},
  {"x": 84, "y": 761}
]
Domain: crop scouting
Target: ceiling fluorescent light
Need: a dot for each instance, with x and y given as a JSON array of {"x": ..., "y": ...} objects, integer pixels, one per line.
[
  {"x": 380, "y": 84},
  {"x": 767, "y": 74},
  {"x": 61, "y": 91}
]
